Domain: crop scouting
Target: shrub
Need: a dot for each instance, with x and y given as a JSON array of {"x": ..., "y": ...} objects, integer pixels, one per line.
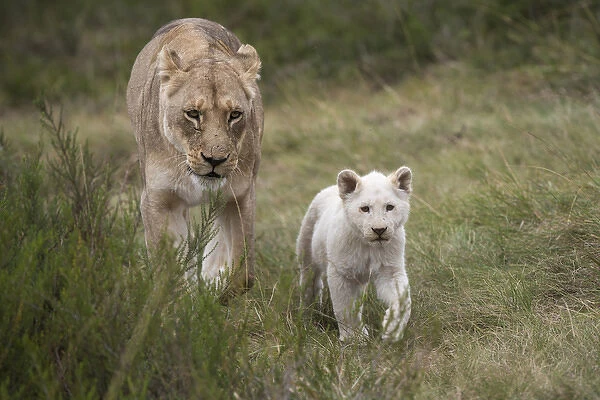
[{"x": 84, "y": 313}]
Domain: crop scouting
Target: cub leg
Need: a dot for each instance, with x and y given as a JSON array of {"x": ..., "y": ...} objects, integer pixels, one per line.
[
  {"x": 345, "y": 295},
  {"x": 312, "y": 287},
  {"x": 393, "y": 289},
  {"x": 308, "y": 267}
]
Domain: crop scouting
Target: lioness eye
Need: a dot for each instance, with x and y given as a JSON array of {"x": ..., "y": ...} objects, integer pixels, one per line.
[
  {"x": 365, "y": 209},
  {"x": 389, "y": 207},
  {"x": 193, "y": 114},
  {"x": 234, "y": 115}
]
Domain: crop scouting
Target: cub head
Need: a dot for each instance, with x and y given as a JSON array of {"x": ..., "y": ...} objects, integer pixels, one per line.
[
  {"x": 206, "y": 106},
  {"x": 376, "y": 206}
]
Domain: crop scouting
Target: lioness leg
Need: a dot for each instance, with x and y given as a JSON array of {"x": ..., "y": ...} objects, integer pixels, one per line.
[
  {"x": 311, "y": 272},
  {"x": 216, "y": 257},
  {"x": 162, "y": 217},
  {"x": 311, "y": 282},
  {"x": 231, "y": 252}
]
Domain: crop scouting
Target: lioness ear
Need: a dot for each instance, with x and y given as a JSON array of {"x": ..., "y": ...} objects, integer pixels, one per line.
[
  {"x": 248, "y": 58},
  {"x": 348, "y": 181},
  {"x": 169, "y": 64},
  {"x": 249, "y": 64},
  {"x": 402, "y": 179}
]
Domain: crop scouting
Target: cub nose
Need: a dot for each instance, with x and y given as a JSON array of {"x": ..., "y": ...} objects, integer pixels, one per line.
[
  {"x": 379, "y": 231},
  {"x": 214, "y": 161}
]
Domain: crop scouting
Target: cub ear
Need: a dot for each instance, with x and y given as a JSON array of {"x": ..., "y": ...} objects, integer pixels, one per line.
[
  {"x": 348, "y": 182},
  {"x": 402, "y": 179},
  {"x": 169, "y": 64}
]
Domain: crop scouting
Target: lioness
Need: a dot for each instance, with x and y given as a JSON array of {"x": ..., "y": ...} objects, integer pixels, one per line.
[
  {"x": 197, "y": 113},
  {"x": 354, "y": 233}
]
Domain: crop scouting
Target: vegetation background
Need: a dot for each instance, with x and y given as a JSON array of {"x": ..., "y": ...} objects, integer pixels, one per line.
[{"x": 493, "y": 104}]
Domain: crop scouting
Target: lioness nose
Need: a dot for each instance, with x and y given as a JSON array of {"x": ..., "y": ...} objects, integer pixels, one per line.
[
  {"x": 214, "y": 161},
  {"x": 379, "y": 231}
]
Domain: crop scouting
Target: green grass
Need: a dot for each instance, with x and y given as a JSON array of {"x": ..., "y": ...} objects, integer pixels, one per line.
[
  {"x": 503, "y": 253},
  {"x": 502, "y": 242}
]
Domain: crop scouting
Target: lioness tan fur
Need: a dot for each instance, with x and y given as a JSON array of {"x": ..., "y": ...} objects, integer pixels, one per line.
[{"x": 197, "y": 114}]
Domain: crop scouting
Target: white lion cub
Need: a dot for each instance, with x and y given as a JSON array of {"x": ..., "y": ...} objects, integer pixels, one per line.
[{"x": 354, "y": 233}]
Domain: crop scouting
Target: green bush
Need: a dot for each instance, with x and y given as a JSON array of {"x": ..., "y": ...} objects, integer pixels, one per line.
[{"x": 84, "y": 313}]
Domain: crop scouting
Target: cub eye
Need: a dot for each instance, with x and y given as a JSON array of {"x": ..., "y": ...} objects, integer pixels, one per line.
[
  {"x": 389, "y": 207},
  {"x": 193, "y": 114},
  {"x": 365, "y": 209},
  {"x": 234, "y": 115}
]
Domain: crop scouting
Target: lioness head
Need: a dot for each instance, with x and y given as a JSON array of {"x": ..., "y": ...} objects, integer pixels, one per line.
[
  {"x": 375, "y": 205},
  {"x": 205, "y": 107}
]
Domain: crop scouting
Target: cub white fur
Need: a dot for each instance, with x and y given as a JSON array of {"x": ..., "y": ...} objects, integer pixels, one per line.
[{"x": 351, "y": 234}]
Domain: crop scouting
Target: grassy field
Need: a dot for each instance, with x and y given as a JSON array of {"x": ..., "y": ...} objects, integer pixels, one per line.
[
  {"x": 494, "y": 106},
  {"x": 503, "y": 246},
  {"x": 503, "y": 252}
]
